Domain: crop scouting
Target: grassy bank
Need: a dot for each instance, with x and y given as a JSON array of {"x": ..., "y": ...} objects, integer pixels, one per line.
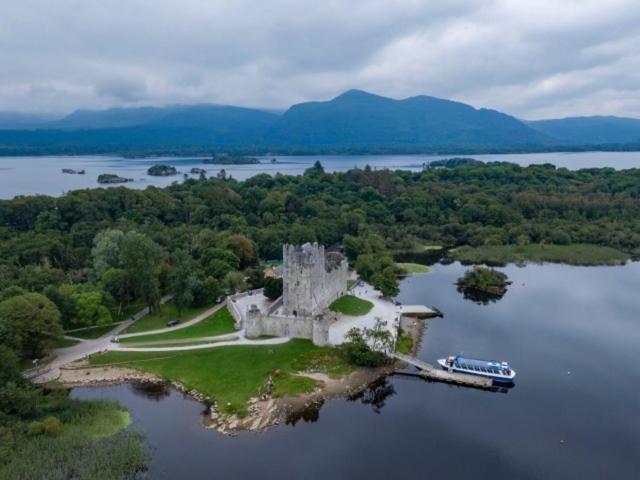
[
  {"x": 414, "y": 268},
  {"x": 219, "y": 323},
  {"x": 350, "y": 305},
  {"x": 166, "y": 312},
  {"x": 75, "y": 439},
  {"x": 404, "y": 344},
  {"x": 573, "y": 254},
  {"x": 232, "y": 375}
]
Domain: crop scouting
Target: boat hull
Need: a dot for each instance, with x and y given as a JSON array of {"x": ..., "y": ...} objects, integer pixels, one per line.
[{"x": 504, "y": 379}]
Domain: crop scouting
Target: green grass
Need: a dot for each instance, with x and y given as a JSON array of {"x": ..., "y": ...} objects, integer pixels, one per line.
[
  {"x": 177, "y": 343},
  {"x": 92, "y": 332},
  {"x": 404, "y": 344},
  {"x": 159, "y": 318},
  {"x": 92, "y": 443},
  {"x": 64, "y": 343},
  {"x": 232, "y": 375},
  {"x": 414, "y": 268},
  {"x": 350, "y": 305},
  {"x": 107, "y": 419},
  {"x": 573, "y": 254},
  {"x": 219, "y": 323}
]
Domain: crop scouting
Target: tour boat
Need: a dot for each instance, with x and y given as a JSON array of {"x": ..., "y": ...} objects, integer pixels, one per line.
[{"x": 498, "y": 371}]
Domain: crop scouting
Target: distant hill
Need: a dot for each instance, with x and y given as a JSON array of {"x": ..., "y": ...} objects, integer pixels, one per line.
[
  {"x": 209, "y": 117},
  {"x": 355, "y": 121},
  {"x": 147, "y": 127},
  {"x": 358, "y": 118},
  {"x": 17, "y": 120},
  {"x": 590, "y": 130}
]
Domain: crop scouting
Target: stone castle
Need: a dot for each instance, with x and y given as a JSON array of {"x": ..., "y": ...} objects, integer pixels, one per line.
[{"x": 312, "y": 280}]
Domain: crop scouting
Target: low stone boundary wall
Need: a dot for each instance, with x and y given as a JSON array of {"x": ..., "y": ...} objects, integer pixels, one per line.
[{"x": 234, "y": 310}]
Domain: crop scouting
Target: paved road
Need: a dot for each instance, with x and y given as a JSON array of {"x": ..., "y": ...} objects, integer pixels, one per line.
[
  {"x": 83, "y": 349},
  {"x": 240, "y": 341}
]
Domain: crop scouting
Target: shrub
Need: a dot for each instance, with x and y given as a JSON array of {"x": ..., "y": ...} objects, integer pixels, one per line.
[{"x": 272, "y": 287}]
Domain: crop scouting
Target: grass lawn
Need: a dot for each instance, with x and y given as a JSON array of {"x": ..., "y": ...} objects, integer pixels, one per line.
[
  {"x": 217, "y": 324},
  {"x": 159, "y": 318},
  {"x": 404, "y": 344},
  {"x": 414, "y": 268},
  {"x": 573, "y": 254},
  {"x": 232, "y": 375},
  {"x": 350, "y": 305},
  {"x": 92, "y": 332},
  {"x": 177, "y": 343}
]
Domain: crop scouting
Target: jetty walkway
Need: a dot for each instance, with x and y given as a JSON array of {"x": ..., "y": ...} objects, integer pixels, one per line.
[{"x": 430, "y": 372}]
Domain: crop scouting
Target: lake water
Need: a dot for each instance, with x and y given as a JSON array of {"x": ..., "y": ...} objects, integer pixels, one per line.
[
  {"x": 43, "y": 175},
  {"x": 571, "y": 333}
]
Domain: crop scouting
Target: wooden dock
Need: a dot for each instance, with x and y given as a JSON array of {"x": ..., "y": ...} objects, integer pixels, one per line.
[{"x": 430, "y": 372}]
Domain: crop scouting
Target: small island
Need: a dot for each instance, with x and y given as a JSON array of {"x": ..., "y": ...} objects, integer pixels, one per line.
[
  {"x": 162, "y": 171},
  {"x": 483, "y": 284},
  {"x": 107, "y": 178},
  {"x": 72, "y": 171},
  {"x": 229, "y": 160},
  {"x": 198, "y": 171}
]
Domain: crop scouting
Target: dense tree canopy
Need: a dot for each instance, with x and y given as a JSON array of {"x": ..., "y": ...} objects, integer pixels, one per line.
[{"x": 95, "y": 250}]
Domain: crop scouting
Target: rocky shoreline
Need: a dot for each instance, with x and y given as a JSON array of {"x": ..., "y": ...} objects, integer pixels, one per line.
[{"x": 265, "y": 412}]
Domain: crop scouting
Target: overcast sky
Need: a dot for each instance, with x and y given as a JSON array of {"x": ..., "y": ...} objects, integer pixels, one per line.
[{"x": 530, "y": 58}]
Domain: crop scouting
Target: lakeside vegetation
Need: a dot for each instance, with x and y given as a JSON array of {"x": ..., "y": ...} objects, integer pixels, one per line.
[
  {"x": 351, "y": 305},
  {"x": 233, "y": 375},
  {"x": 573, "y": 254},
  {"x": 46, "y": 434},
  {"x": 404, "y": 342},
  {"x": 408, "y": 268},
  {"x": 219, "y": 323}
]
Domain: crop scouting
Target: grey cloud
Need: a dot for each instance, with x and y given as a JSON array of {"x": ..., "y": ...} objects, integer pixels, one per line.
[
  {"x": 123, "y": 89},
  {"x": 531, "y": 58}
]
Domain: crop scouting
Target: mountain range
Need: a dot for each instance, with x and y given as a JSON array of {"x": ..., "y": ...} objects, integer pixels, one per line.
[{"x": 355, "y": 119}]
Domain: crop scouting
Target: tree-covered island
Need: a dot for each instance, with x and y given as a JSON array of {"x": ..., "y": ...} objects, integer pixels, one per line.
[
  {"x": 231, "y": 160},
  {"x": 161, "y": 170}
]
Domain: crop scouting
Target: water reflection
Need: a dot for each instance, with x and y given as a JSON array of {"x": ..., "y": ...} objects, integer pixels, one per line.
[
  {"x": 153, "y": 391},
  {"x": 375, "y": 394},
  {"x": 309, "y": 414},
  {"x": 478, "y": 296}
]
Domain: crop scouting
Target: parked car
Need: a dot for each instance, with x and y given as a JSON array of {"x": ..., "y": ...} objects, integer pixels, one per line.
[{"x": 172, "y": 323}]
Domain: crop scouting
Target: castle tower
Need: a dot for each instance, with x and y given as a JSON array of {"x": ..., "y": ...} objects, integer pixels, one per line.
[{"x": 303, "y": 280}]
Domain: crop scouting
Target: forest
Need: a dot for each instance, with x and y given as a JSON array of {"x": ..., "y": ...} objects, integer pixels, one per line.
[{"x": 85, "y": 258}]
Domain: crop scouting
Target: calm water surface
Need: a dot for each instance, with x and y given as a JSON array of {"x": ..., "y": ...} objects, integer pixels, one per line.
[
  {"x": 43, "y": 175},
  {"x": 572, "y": 334}
]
